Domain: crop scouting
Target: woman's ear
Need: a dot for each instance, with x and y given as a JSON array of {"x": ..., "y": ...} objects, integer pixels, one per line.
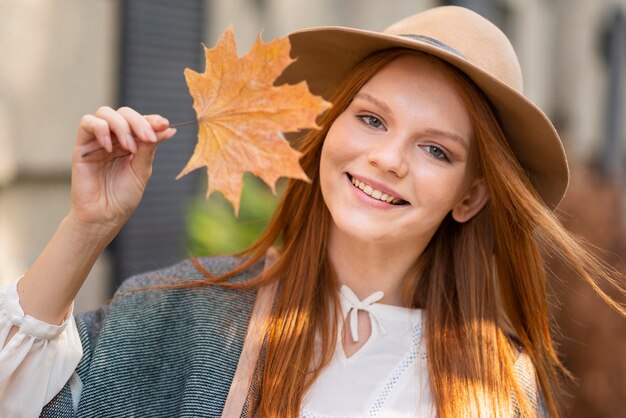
[{"x": 473, "y": 201}]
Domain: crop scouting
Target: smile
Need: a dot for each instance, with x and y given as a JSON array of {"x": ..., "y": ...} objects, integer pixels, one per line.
[{"x": 376, "y": 194}]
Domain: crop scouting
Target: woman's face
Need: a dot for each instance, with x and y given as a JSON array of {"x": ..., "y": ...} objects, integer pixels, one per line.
[{"x": 395, "y": 162}]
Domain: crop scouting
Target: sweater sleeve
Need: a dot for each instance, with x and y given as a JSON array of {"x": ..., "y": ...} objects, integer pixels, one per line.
[{"x": 37, "y": 362}]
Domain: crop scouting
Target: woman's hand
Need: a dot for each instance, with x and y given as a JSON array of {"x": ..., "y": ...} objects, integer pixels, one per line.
[{"x": 107, "y": 184}]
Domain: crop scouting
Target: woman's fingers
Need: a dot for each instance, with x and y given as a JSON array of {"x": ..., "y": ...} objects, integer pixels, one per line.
[
  {"x": 141, "y": 127},
  {"x": 120, "y": 125},
  {"x": 92, "y": 127},
  {"x": 158, "y": 122},
  {"x": 165, "y": 134},
  {"x": 125, "y": 126}
]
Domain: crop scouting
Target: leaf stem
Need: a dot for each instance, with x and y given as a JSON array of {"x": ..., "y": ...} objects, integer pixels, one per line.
[{"x": 185, "y": 123}]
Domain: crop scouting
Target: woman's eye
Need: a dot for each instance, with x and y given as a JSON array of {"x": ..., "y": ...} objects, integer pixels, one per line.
[
  {"x": 436, "y": 152},
  {"x": 371, "y": 121}
]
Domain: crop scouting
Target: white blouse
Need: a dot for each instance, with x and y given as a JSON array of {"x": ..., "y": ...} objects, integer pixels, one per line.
[
  {"x": 37, "y": 362},
  {"x": 386, "y": 377}
]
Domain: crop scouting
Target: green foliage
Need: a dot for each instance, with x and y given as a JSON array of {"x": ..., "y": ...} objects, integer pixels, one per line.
[{"x": 213, "y": 229}]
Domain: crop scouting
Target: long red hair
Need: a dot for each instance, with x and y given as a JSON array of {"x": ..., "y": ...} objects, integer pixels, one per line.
[{"x": 482, "y": 284}]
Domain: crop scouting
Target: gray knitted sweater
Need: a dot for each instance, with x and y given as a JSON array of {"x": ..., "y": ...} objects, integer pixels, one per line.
[
  {"x": 160, "y": 353},
  {"x": 169, "y": 353}
]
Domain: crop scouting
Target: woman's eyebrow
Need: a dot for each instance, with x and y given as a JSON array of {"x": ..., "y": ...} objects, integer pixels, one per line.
[
  {"x": 372, "y": 99},
  {"x": 453, "y": 136}
]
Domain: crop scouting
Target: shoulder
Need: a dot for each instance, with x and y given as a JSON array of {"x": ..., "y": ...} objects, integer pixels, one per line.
[
  {"x": 186, "y": 272},
  {"x": 156, "y": 341},
  {"x": 167, "y": 298}
]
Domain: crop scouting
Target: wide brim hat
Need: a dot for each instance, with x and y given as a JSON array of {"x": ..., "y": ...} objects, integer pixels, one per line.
[{"x": 467, "y": 41}]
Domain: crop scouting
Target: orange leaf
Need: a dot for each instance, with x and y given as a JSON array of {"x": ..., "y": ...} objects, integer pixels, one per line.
[{"x": 241, "y": 114}]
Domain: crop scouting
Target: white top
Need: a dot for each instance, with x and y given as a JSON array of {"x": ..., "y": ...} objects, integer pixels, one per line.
[{"x": 386, "y": 377}]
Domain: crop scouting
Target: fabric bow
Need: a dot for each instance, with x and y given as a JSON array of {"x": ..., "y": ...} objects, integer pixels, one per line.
[{"x": 363, "y": 305}]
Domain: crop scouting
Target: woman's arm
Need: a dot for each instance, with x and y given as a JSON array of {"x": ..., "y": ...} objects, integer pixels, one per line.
[
  {"x": 107, "y": 186},
  {"x": 50, "y": 285},
  {"x": 111, "y": 165}
]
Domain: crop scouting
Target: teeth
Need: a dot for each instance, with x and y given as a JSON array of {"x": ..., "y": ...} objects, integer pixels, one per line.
[{"x": 376, "y": 194}]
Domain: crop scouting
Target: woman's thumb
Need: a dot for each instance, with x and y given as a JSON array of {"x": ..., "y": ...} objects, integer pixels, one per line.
[{"x": 142, "y": 160}]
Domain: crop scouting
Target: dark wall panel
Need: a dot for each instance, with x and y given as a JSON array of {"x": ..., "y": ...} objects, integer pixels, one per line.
[{"x": 159, "y": 38}]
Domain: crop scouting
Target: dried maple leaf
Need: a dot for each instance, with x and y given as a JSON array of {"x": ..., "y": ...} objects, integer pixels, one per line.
[{"x": 241, "y": 114}]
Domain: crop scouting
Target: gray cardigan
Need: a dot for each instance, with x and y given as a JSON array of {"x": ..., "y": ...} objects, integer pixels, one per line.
[
  {"x": 169, "y": 353},
  {"x": 161, "y": 353}
]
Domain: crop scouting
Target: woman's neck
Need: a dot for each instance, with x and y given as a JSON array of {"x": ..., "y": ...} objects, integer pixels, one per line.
[{"x": 369, "y": 267}]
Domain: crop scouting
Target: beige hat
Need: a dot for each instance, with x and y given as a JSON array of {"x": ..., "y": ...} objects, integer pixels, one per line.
[{"x": 469, "y": 42}]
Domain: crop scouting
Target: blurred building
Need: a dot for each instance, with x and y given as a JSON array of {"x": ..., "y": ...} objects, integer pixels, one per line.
[{"x": 64, "y": 58}]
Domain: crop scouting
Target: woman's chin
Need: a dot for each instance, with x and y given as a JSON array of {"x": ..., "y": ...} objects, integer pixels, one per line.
[{"x": 363, "y": 233}]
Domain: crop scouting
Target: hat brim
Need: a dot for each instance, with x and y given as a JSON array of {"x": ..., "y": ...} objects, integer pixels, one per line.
[{"x": 326, "y": 55}]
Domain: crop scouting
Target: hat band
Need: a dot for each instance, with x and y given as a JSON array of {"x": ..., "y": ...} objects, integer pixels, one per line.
[{"x": 434, "y": 42}]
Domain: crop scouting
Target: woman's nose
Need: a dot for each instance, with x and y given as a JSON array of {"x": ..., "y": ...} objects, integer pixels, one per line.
[{"x": 389, "y": 156}]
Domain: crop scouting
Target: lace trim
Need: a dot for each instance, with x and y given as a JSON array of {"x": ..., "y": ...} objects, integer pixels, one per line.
[
  {"x": 392, "y": 381},
  {"x": 309, "y": 414}
]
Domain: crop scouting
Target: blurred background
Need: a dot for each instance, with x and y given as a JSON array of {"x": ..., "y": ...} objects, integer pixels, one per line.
[{"x": 64, "y": 58}]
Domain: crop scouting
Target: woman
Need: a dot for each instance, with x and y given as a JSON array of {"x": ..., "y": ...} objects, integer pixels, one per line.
[{"x": 407, "y": 280}]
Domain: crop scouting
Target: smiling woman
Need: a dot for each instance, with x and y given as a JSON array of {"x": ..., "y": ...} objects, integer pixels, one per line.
[
  {"x": 419, "y": 254},
  {"x": 408, "y": 279}
]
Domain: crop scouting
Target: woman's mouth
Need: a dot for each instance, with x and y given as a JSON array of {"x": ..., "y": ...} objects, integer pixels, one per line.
[{"x": 376, "y": 194}]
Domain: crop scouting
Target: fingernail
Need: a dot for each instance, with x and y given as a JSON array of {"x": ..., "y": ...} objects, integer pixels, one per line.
[
  {"x": 165, "y": 121},
  {"x": 107, "y": 143},
  {"x": 150, "y": 135},
  {"x": 130, "y": 143}
]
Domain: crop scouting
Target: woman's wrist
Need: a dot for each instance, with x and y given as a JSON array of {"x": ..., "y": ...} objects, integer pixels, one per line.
[{"x": 90, "y": 233}]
